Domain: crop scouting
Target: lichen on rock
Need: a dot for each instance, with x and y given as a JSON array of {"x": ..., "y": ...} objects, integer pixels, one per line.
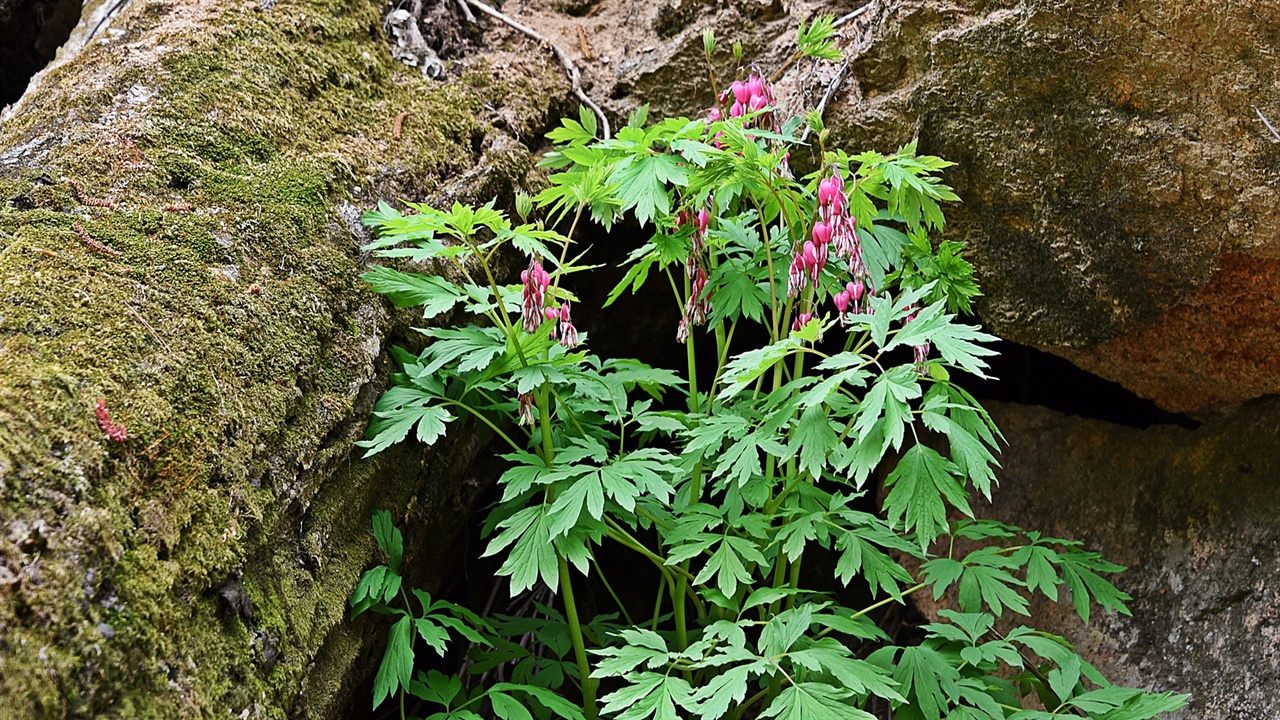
[{"x": 211, "y": 299}]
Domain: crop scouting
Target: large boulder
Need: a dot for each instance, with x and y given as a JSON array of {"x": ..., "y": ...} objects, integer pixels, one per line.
[
  {"x": 1192, "y": 514},
  {"x": 187, "y": 352},
  {"x": 1119, "y": 188}
]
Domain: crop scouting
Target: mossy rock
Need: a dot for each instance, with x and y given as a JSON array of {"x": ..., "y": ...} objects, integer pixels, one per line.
[{"x": 179, "y": 238}]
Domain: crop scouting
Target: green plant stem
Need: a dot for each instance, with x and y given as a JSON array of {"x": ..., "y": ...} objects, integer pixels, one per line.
[
  {"x": 768, "y": 258},
  {"x": 483, "y": 419},
  {"x": 605, "y": 581},
  {"x": 657, "y": 601},
  {"x": 794, "y": 582},
  {"x": 579, "y": 646},
  {"x": 724, "y": 356},
  {"x": 564, "y": 252},
  {"x": 412, "y": 636}
]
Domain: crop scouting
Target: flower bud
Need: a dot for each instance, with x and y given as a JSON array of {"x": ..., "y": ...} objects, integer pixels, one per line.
[{"x": 704, "y": 219}]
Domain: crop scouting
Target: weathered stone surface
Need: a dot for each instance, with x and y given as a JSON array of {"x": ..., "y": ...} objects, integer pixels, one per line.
[
  {"x": 1192, "y": 514},
  {"x": 1119, "y": 189},
  {"x": 179, "y": 238}
]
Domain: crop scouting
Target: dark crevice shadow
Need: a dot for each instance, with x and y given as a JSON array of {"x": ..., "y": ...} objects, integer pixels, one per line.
[
  {"x": 1026, "y": 376},
  {"x": 31, "y": 31}
]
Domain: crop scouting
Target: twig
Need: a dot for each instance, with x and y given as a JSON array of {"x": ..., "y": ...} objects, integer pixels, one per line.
[
  {"x": 574, "y": 75},
  {"x": 582, "y": 40},
  {"x": 1263, "y": 118},
  {"x": 92, "y": 244},
  {"x": 466, "y": 11},
  {"x": 831, "y": 91},
  {"x": 399, "y": 125},
  {"x": 851, "y": 16},
  {"x": 86, "y": 199},
  {"x": 147, "y": 325}
]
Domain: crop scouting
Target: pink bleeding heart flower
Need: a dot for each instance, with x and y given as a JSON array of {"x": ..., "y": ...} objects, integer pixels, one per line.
[
  {"x": 535, "y": 280},
  {"x": 736, "y": 110},
  {"x": 704, "y": 219},
  {"x": 795, "y": 276},
  {"x": 825, "y": 191},
  {"x": 821, "y": 233},
  {"x": 758, "y": 103},
  {"x": 568, "y": 333},
  {"x": 741, "y": 92},
  {"x": 841, "y": 299}
]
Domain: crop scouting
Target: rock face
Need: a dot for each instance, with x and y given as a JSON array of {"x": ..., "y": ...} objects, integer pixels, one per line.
[
  {"x": 179, "y": 240},
  {"x": 1119, "y": 187},
  {"x": 1192, "y": 514}
]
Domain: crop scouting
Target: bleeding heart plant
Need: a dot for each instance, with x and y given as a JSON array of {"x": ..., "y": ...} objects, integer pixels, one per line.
[{"x": 727, "y": 475}]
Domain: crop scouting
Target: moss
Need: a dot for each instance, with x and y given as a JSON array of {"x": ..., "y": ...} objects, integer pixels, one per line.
[{"x": 230, "y": 340}]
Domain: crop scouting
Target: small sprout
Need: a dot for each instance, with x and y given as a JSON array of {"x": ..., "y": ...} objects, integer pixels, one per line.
[{"x": 709, "y": 41}]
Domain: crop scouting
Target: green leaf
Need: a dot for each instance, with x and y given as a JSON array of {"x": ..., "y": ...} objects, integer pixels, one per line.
[
  {"x": 993, "y": 586},
  {"x": 506, "y": 707},
  {"x": 889, "y": 397},
  {"x": 859, "y": 676},
  {"x": 436, "y": 295},
  {"x": 713, "y": 700},
  {"x": 814, "y": 701},
  {"x": 397, "y": 661},
  {"x": 642, "y": 183},
  {"x": 438, "y": 688},
  {"x": 917, "y": 487},
  {"x": 548, "y": 699},
  {"x": 396, "y": 413},
  {"x": 388, "y": 537},
  {"x": 369, "y": 590},
  {"x": 744, "y": 368},
  {"x": 650, "y": 694},
  {"x": 727, "y": 565},
  {"x": 813, "y": 439},
  {"x": 533, "y": 556},
  {"x": 585, "y": 492},
  {"x": 925, "y": 675},
  {"x": 860, "y": 557},
  {"x": 434, "y": 635}
]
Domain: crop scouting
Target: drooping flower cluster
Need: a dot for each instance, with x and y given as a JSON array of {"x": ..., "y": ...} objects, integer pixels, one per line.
[
  {"x": 564, "y": 329},
  {"x": 754, "y": 95},
  {"x": 698, "y": 305},
  {"x": 536, "y": 281},
  {"x": 836, "y": 227}
]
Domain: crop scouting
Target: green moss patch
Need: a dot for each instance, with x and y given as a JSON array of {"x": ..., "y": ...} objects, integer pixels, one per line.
[{"x": 168, "y": 246}]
